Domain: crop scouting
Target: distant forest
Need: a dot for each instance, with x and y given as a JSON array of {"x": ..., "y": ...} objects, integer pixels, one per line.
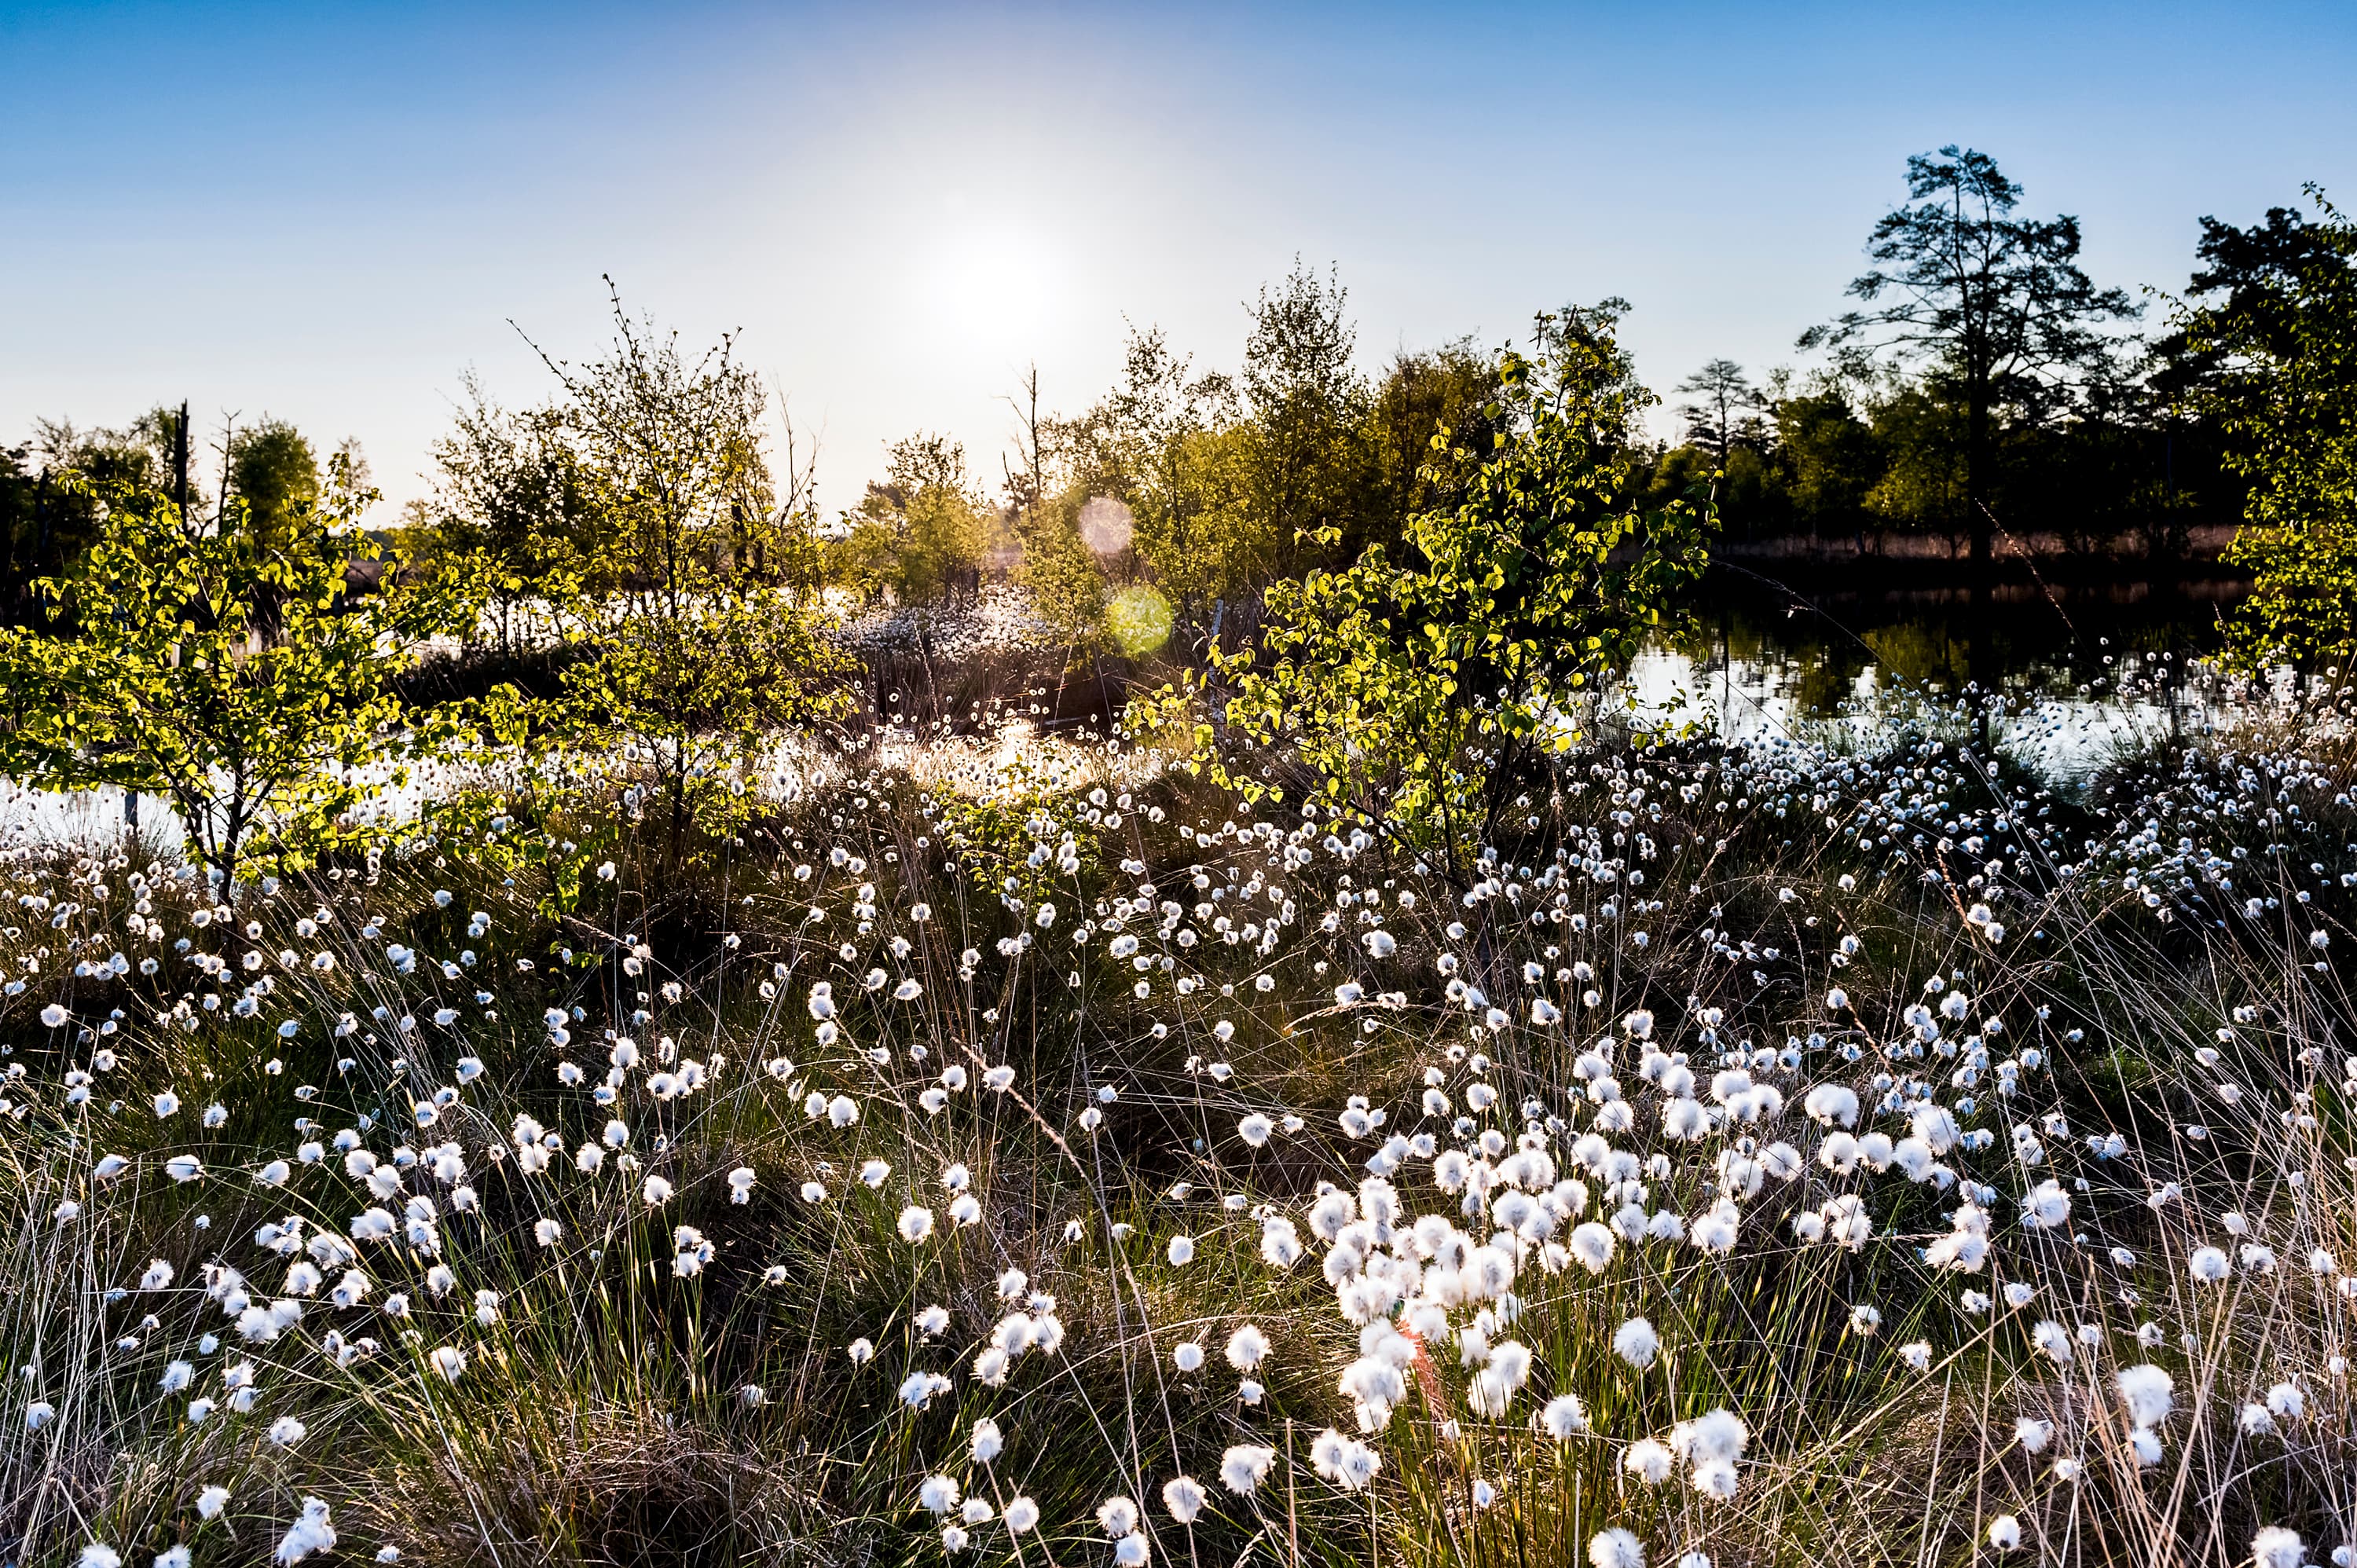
[{"x": 1978, "y": 387}]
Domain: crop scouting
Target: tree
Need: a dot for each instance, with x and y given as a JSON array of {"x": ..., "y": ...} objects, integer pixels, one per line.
[
  {"x": 1419, "y": 692},
  {"x": 1452, "y": 388},
  {"x": 698, "y": 622},
  {"x": 2284, "y": 346},
  {"x": 921, "y": 532},
  {"x": 1060, "y": 572},
  {"x": 272, "y": 476},
  {"x": 1171, "y": 446},
  {"x": 274, "y": 471},
  {"x": 63, "y": 472},
  {"x": 1922, "y": 484},
  {"x": 1994, "y": 307},
  {"x": 511, "y": 499},
  {"x": 1207, "y": 538},
  {"x": 1307, "y": 408},
  {"x": 158, "y": 675},
  {"x": 22, "y": 492},
  {"x": 1723, "y": 406},
  {"x": 2249, "y": 277},
  {"x": 2255, "y": 275}
]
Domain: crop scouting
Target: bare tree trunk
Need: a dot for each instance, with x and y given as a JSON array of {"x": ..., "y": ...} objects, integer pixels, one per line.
[
  {"x": 1978, "y": 666},
  {"x": 44, "y": 526},
  {"x": 180, "y": 463}
]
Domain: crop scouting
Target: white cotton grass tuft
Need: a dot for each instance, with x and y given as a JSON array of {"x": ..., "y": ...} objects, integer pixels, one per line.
[
  {"x": 1592, "y": 1246},
  {"x": 2276, "y": 1547},
  {"x": 311, "y": 1532},
  {"x": 1280, "y": 1243},
  {"x": 1183, "y": 1497},
  {"x": 1615, "y": 1548},
  {"x": 1344, "y": 1461},
  {"x": 1244, "y": 1466},
  {"x": 1649, "y": 1460},
  {"x": 1563, "y": 1418},
  {"x": 1636, "y": 1343},
  {"x": 1246, "y": 1348},
  {"x": 2053, "y": 1340},
  {"x": 1712, "y": 1442},
  {"x": 2148, "y": 1391}
]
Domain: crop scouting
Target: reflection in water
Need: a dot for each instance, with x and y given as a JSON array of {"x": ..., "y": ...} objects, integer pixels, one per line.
[
  {"x": 2075, "y": 672},
  {"x": 2080, "y": 672},
  {"x": 89, "y": 818}
]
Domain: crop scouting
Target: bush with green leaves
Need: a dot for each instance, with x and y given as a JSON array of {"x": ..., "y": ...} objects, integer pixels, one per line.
[
  {"x": 1418, "y": 692},
  {"x": 235, "y": 673},
  {"x": 692, "y": 616},
  {"x": 2285, "y": 394}
]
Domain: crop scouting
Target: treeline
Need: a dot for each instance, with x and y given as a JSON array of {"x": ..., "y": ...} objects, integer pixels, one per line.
[
  {"x": 1204, "y": 485},
  {"x": 1980, "y": 385},
  {"x": 54, "y": 485},
  {"x": 251, "y": 657},
  {"x": 1431, "y": 570},
  {"x": 2090, "y": 437},
  {"x": 1873, "y": 457},
  {"x": 1983, "y": 385}
]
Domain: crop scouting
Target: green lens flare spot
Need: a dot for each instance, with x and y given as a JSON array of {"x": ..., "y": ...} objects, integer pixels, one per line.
[{"x": 1140, "y": 620}]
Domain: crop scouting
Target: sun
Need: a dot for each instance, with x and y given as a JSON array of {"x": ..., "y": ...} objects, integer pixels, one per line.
[{"x": 996, "y": 286}]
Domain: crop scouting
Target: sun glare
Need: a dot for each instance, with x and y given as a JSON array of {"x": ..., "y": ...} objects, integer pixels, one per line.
[{"x": 995, "y": 286}]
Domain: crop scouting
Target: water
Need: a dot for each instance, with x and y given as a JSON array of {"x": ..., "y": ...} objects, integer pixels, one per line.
[
  {"x": 2080, "y": 670},
  {"x": 89, "y": 818}
]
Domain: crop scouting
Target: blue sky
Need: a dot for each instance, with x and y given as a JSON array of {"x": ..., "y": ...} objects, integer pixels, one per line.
[{"x": 330, "y": 212}]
